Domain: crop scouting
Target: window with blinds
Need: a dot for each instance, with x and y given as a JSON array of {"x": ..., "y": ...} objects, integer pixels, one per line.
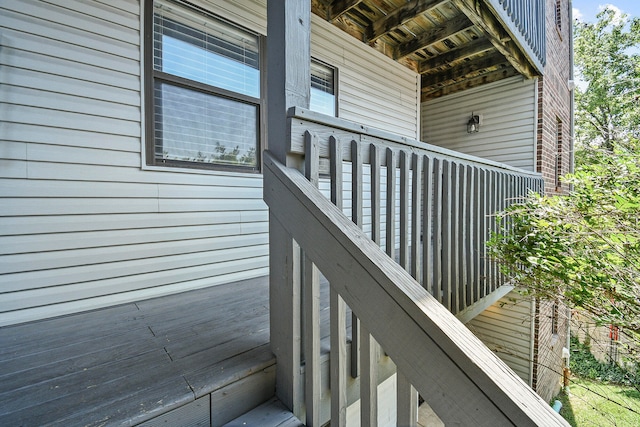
[
  {"x": 323, "y": 93},
  {"x": 205, "y": 89}
]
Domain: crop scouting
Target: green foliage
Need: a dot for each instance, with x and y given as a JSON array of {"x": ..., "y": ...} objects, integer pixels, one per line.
[
  {"x": 590, "y": 403},
  {"x": 607, "y": 59},
  {"x": 585, "y": 247},
  {"x": 585, "y": 365}
]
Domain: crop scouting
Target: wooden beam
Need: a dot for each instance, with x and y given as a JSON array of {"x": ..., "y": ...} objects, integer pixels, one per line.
[
  {"x": 289, "y": 47},
  {"x": 339, "y": 7},
  {"x": 430, "y": 92},
  {"x": 482, "y": 17},
  {"x": 399, "y": 16},
  {"x": 435, "y": 35},
  {"x": 463, "y": 70},
  {"x": 457, "y": 53}
]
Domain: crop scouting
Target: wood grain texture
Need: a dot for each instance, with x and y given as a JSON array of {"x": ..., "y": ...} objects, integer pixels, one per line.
[
  {"x": 134, "y": 362},
  {"x": 485, "y": 390}
]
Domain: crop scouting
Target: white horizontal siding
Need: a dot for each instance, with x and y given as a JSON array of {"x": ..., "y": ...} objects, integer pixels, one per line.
[
  {"x": 505, "y": 328},
  {"x": 82, "y": 225},
  {"x": 384, "y": 96},
  {"x": 507, "y": 131}
]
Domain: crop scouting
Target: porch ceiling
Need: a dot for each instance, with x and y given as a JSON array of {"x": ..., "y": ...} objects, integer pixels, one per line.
[{"x": 453, "y": 44}]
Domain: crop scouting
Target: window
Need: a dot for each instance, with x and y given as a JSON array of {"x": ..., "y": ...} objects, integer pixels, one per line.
[
  {"x": 558, "y": 168},
  {"x": 323, "y": 94},
  {"x": 554, "y": 318},
  {"x": 558, "y": 16},
  {"x": 203, "y": 89}
]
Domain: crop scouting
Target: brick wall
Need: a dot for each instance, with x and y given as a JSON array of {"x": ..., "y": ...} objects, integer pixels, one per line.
[
  {"x": 554, "y": 99},
  {"x": 553, "y": 155},
  {"x": 551, "y": 324}
]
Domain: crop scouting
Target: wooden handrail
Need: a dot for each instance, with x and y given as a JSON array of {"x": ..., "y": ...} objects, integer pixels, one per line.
[
  {"x": 437, "y": 204},
  {"x": 460, "y": 378}
]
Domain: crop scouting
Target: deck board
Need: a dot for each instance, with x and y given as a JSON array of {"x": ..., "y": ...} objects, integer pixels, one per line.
[{"x": 125, "y": 364}]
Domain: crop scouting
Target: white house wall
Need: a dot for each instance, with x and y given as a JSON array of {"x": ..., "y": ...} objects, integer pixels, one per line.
[
  {"x": 83, "y": 224},
  {"x": 505, "y": 328},
  {"x": 507, "y": 130}
]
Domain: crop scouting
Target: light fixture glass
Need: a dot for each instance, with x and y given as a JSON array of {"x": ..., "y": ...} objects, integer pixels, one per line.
[{"x": 473, "y": 125}]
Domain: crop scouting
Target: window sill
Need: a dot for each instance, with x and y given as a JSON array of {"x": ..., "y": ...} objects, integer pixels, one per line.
[{"x": 198, "y": 171}]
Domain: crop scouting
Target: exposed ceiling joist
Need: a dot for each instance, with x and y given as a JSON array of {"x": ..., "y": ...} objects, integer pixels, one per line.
[
  {"x": 454, "y": 44},
  {"x": 491, "y": 77},
  {"x": 465, "y": 70},
  {"x": 480, "y": 15},
  {"x": 339, "y": 7},
  {"x": 399, "y": 16},
  {"x": 455, "y": 54},
  {"x": 437, "y": 34}
]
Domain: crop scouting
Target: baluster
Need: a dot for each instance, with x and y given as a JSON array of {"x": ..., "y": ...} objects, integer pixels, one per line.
[
  {"x": 368, "y": 379},
  {"x": 502, "y": 201},
  {"x": 311, "y": 304},
  {"x": 356, "y": 217},
  {"x": 427, "y": 241},
  {"x": 467, "y": 252},
  {"x": 337, "y": 308},
  {"x": 368, "y": 346},
  {"x": 475, "y": 230},
  {"x": 404, "y": 210},
  {"x": 335, "y": 171},
  {"x": 447, "y": 225},
  {"x": 494, "y": 225},
  {"x": 463, "y": 232},
  {"x": 416, "y": 216},
  {"x": 391, "y": 204},
  {"x": 375, "y": 193},
  {"x": 437, "y": 228},
  {"x": 456, "y": 222},
  {"x": 484, "y": 226},
  {"x": 407, "y": 402}
]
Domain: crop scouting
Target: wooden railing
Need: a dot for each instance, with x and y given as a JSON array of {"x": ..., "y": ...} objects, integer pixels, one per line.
[
  {"x": 431, "y": 209},
  {"x": 525, "y": 21},
  {"x": 437, "y": 222}
]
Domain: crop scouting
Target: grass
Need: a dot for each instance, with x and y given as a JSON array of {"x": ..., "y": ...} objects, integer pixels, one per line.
[{"x": 591, "y": 403}]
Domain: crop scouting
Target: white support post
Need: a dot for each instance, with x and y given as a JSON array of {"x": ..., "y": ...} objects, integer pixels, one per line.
[
  {"x": 288, "y": 62},
  {"x": 289, "y": 65}
]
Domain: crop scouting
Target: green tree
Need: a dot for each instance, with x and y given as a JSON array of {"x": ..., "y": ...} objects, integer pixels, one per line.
[
  {"x": 607, "y": 59},
  {"x": 584, "y": 247}
]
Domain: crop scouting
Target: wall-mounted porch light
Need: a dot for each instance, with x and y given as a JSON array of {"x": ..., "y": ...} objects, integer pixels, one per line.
[{"x": 473, "y": 125}]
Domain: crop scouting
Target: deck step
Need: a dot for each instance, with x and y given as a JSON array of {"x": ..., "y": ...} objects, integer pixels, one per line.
[{"x": 270, "y": 414}]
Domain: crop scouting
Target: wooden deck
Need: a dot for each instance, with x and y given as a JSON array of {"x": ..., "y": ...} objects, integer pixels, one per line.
[{"x": 127, "y": 364}]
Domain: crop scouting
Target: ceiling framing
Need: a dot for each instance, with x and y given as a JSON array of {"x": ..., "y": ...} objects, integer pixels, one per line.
[{"x": 453, "y": 44}]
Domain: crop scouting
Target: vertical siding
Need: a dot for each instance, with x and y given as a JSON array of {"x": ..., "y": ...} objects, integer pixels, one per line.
[
  {"x": 507, "y": 130},
  {"x": 82, "y": 225},
  {"x": 505, "y": 328}
]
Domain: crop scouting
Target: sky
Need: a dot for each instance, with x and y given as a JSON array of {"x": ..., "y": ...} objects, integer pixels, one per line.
[{"x": 586, "y": 10}]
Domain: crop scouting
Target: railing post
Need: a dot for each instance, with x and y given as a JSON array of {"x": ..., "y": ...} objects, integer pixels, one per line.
[
  {"x": 289, "y": 46},
  {"x": 284, "y": 292}
]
